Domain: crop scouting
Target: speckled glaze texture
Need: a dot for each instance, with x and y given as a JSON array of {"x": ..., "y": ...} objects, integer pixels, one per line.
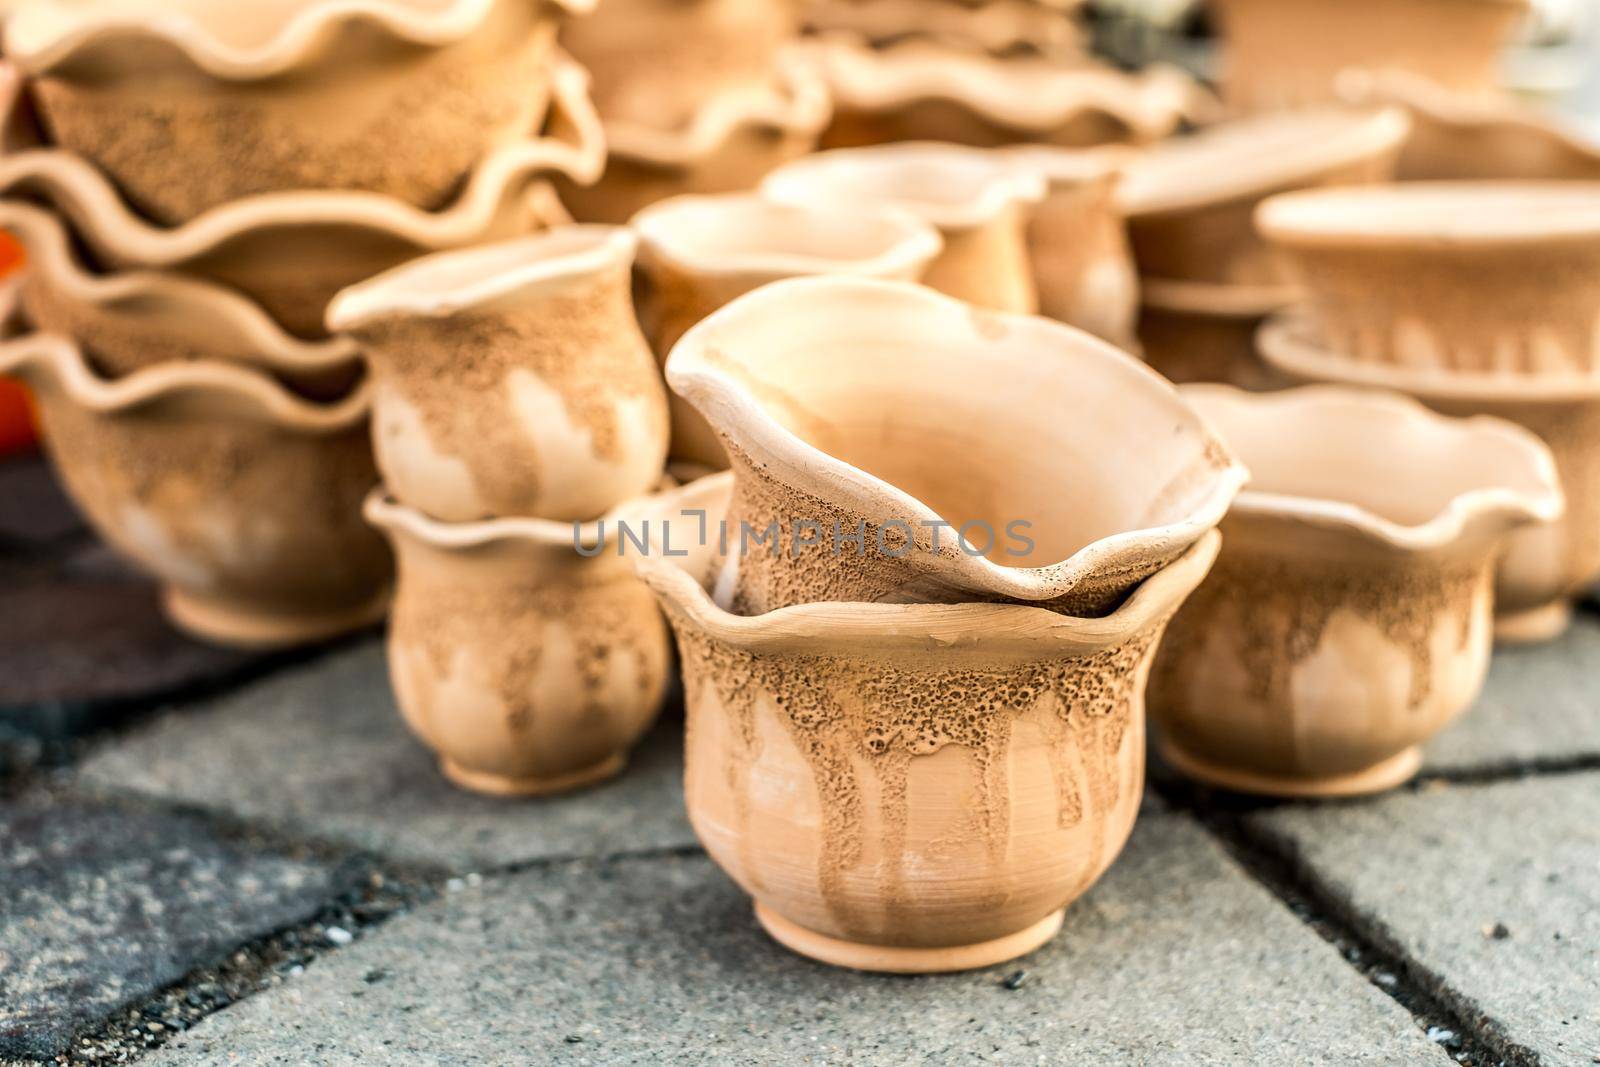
[
  {"x": 1199, "y": 332},
  {"x": 512, "y": 379},
  {"x": 1347, "y": 619},
  {"x": 912, "y": 788},
  {"x": 528, "y": 667},
  {"x": 244, "y": 501}
]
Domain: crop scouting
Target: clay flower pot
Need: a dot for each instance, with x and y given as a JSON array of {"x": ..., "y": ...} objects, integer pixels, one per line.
[
  {"x": 512, "y": 379},
  {"x": 1543, "y": 569},
  {"x": 1190, "y": 201},
  {"x": 191, "y": 105},
  {"x": 911, "y": 788},
  {"x": 1347, "y": 619},
  {"x": 1290, "y": 53},
  {"x": 1499, "y": 277},
  {"x": 937, "y": 434},
  {"x": 241, "y": 498},
  {"x": 998, "y": 27},
  {"x": 292, "y": 251},
  {"x": 529, "y": 666},
  {"x": 1201, "y": 332},
  {"x": 696, "y": 253},
  {"x": 978, "y": 200}
]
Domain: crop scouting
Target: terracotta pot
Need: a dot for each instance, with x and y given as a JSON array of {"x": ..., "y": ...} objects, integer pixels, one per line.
[
  {"x": 911, "y": 788},
  {"x": 1077, "y": 243},
  {"x": 922, "y": 91},
  {"x": 935, "y": 431},
  {"x": 512, "y": 379},
  {"x": 291, "y": 251},
  {"x": 979, "y": 201},
  {"x": 191, "y": 105},
  {"x": 1347, "y": 619},
  {"x": 1543, "y": 569},
  {"x": 1199, "y": 332},
  {"x": 242, "y": 499},
  {"x": 1490, "y": 276},
  {"x": 529, "y": 667},
  {"x": 696, "y": 253},
  {"x": 133, "y": 319},
  {"x": 1289, "y": 53},
  {"x": 998, "y": 27}
]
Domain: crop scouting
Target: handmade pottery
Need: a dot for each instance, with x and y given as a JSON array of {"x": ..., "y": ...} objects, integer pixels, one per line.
[
  {"x": 1201, "y": 332},
  {"x": 1543, "y": 569},
  {"x": 998, "y": 27},
  {"x": 241, "y": 498},
  {"x": 1489, "y": 276},
  {"x": 895, "y": 445},
  {"x": 511, "y": 379},
  {"x": 1347, "y": 619},
  {"x": 978, "y": 200},
  {"x": 186, "y": 106},
  {"x": 291, "y": 251},
  {"x": 523, "y": 651},
  {"x": 1290, "y": 53},
  {"x": 910, "y": 788},
  {"x": 696, "y": 253},
  {"x": 1189, "y": 201}
]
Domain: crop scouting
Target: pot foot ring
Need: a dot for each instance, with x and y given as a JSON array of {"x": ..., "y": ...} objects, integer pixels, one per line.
[
  {"x": 500, "y": 785},
  {"x": 1538, "y": 624},
  {"x": 889, "y": 959},
  {"x": 1392, "y": 772},
  {"x": 243, "y": 626}
]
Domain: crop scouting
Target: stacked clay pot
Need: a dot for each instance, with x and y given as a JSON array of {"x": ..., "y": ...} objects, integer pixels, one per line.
[
  {"x": 192, "y": 185},
  {"x": 517, "y": 410},
  {"x": 916, "y": 615}
]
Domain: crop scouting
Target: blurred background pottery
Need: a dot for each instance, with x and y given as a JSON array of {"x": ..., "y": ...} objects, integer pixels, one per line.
[
  {"x": 995, "y": 27},
  {"x": 1203, "y": 332}
]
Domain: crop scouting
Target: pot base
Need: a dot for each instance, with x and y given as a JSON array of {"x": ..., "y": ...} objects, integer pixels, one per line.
[
  {"x": 1379, "y": 778},
  {"x": 888, "y": 959},
  {"x": 500, "y": 785},
  {"x": 227, "y": 623},
  {"x": 1537, "y": 624}
]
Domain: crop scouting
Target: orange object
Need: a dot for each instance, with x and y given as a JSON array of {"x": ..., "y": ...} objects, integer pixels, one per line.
[{"x": 17, "y": 426}]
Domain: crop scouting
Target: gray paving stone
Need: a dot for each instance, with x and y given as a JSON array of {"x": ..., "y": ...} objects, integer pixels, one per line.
[
  {"x": 100, "y": 907},
  {"x": 322, "y": 751},
  {"x": 34, "y": 513},
  {"x": 1176, "y": 958},
  {"x": 1435, "y": 871}
]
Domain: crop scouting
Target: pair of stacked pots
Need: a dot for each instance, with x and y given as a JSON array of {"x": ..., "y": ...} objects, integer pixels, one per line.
[
  {"x": 192, "y": 187},
  {"x": 916, "y": 616}
]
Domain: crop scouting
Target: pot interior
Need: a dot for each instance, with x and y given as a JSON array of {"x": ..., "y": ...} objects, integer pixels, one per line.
[
  {"x": 747, "y": 232},
  {"x": 936, "y": 182}
]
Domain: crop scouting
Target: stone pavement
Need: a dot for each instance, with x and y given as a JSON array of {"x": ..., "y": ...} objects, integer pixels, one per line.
[{"x": 246, "y": 860}]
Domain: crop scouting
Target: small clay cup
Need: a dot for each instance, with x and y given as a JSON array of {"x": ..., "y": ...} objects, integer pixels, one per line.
[
  {"x": 523, "y": 651},
  {"x": 1189, "y": 201},
  {"x": 241, "y": 498},
  {"x": 1544, "y": 569},
  {"x": 1201, "y": 332},
  {"x": 512, "y": 379},
  {"x": 1481, "y": 277},
  {"x": 1347, "y": 619},
  {"x": 976, "y": 456},
  {"x": 911, "y": 788},
  {"x": 979, "y": 202},
  {"x": 696, "y": 253}
]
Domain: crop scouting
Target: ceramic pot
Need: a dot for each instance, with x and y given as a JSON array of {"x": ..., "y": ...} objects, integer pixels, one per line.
[
  {"x": 935, "y": 432},
  {"x": 292, "y": 251},
  {"x": 133, "y": 319},
  {"x": 1348, "y": 617},
  {"x": 1499, "y": 277},
  {"x": 911, "y": 788},
  {"x": 1543, "y": 569},
  {"x": 1189, "y": 201},
  {"x": 512, "y": 379},
  {"x": 696, "y": 253},
  {"x": 1200, "y": 332},
  {"x": 242, "y": 499},
  {"x": 978, "y": 201},
  {"x": 1290, "y": 53},
  {"x": 997, "y": 27},
  {"x": 528, "y": 666},
  {"x": 188, "y": 106}
]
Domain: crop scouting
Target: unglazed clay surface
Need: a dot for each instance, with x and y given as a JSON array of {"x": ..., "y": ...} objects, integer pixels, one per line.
[
  {"x": 998, "y": 27},
  {"x": 1203, "y": 332}
]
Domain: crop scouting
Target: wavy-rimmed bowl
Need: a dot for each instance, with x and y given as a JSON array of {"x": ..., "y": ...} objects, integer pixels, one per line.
[
  {"x": 1202, "y": 332},
  {"x": 998, "y": 27}
]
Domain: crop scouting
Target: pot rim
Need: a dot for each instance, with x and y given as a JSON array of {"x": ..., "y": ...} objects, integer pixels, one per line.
[
  {"x": 1215, "y": 298},
  {"x": 39, "y": 47},
  {"x": 952, "y": 631},
  {"x": 381, "y": 509},
  {"x": 1460, "y": 215},
  {"x": 997, "y": 26},
  {"x": 450, "y": 282},
  {"x": 1071, "y": 168},
  {"x": 1449, "y": 524},
  {"x": 668, "y": 228},
  {"x": 105, "y": 221},
  {"x": 62, "y": 359}
]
